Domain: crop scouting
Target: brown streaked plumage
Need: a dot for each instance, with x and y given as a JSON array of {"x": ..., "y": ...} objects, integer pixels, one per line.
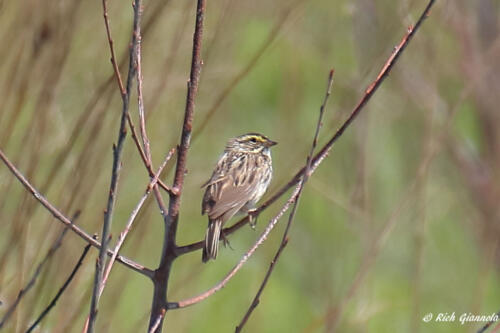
[{"x": 239, "y": 180}]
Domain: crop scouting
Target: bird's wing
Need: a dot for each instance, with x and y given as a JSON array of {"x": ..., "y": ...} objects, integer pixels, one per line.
[
  {"x": 227, "y": 193},
  {"x": 219, "y": 173},
  {"x": 232, "y": 198},
  {"x": 213, "y": 185}
]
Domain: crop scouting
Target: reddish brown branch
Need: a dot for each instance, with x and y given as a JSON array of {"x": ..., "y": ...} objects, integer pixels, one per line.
[
  {"x": 66, "y": 221},
  {"x": 192, "y": 85},
  {"x": 124, "y": 92},
  {"x": 318, "y": 158},
  {"x": 270, "y": 226},
  {"x": 168, "y": 255},
  {"x": 142, "y": 122},
  {"x": 284, "y": 240},
  {"x": 116, "y": 70}
]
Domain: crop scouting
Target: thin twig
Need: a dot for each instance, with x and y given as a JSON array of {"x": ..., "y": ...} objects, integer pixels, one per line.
[
  {"x": 256, "y": 300},
  {"x": 142, "y": 123},
  {"x": 115, "y": 171},
  {"x": 135, "y": 138},
  {"x": 272, "y": 223},
  {"x": 140, "y": 99},
  {"x": 124, "y": 92},
  {"x": 318, "y": 158},
  {"x": 133, "y": 215},
  {"x": 66, "y": 221},
  {"x": 37, "y": 272},
  {"x": 284, "y": 240},
  {"x": 168, "y": 254},
  {"x": 61, "y": 290},
  {"x": 116, "y": 70}
]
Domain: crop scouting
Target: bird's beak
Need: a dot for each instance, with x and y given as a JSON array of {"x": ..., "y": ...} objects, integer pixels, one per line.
[{"x": 270, "y": 143}]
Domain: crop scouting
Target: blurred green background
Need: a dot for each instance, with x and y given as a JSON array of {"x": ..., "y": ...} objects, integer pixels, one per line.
[{"x": 402, "y": 219}]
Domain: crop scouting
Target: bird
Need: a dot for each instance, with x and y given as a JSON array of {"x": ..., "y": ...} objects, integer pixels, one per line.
[{"x": 241, "y": 177}]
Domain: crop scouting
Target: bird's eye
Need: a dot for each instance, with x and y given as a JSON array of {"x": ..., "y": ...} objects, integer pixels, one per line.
[{"x": 253, "y": 140}]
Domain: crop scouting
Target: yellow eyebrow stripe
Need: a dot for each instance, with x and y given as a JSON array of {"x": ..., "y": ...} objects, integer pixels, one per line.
[{"x": 258, "y": 138}]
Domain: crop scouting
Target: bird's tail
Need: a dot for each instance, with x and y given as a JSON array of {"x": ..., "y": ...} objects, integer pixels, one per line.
[{"x": 211, "y": 245}]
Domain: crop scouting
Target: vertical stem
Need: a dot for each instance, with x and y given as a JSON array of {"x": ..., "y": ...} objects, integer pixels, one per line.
[
  {"x": 161, "y": 276},
  {"x": 117, "y": 154}
]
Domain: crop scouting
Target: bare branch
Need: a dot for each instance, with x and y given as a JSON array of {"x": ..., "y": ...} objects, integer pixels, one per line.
[
  {"x": 168, "y": 254},
  {"x": 142, "y": 122},
  {"x": 140, "y": 100},
  {"x": 66, "y": 221},
  {"x": 272, "y": 223},
  {"x": 256, "y": 300},
  {"x": 61, "y": 290},
  {"x": 284, "y": 240},
  {"x": 117, "y": 153},
  {"x": 116, "y": 70},
  {"x": 131, "y": 220}
]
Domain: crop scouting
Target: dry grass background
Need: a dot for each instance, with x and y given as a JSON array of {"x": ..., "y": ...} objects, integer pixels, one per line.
[{"x": 402, "y": 219}]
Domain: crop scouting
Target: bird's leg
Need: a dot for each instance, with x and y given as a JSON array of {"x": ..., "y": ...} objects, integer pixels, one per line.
[
  {"x": 252, "y": 217},
  {"x": 225, "y": 241}
]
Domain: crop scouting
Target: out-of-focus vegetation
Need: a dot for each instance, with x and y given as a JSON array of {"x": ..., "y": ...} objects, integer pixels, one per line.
[{"x": 401, "y": 220}]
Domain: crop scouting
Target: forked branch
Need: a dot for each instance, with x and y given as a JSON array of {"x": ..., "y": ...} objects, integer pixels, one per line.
[
  {"x": 314, "y": 163},
  {"x": 66, "y": 221},
  {"x": 198, "y": 298},
  {"x": 133, "y": 215},
  {"x": 168, "y": 255}
]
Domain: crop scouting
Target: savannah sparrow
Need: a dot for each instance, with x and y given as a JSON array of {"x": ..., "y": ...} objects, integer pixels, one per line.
[{"x": 239, "y": 180}]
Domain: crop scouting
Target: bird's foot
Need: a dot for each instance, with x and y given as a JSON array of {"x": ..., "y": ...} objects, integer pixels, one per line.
[
  {"x": 252, "y": 217},
  {"x": 225, "y": 241}
]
